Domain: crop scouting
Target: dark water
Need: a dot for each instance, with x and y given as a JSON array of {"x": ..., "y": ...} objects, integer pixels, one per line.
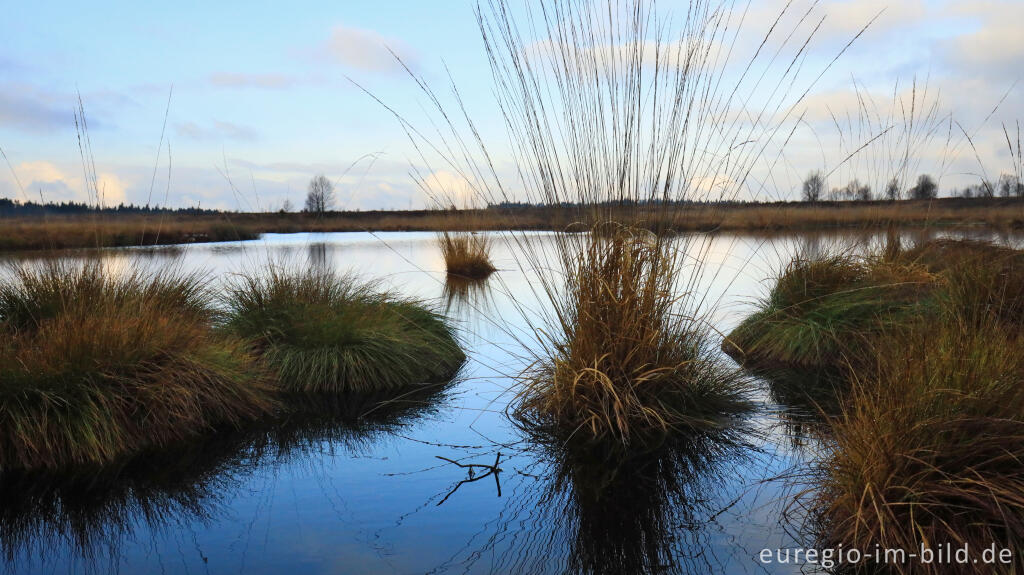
[{"x": 359, "y": 486}]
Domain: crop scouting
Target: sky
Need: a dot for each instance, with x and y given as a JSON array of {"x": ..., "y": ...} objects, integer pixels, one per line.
[{"x": 236, "y": 105}]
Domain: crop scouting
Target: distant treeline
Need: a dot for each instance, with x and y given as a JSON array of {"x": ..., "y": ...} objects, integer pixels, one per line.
[{"x": 13, "y": 208}]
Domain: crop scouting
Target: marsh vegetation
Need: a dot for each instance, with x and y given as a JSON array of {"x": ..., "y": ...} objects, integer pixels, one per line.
[{"x": 132, "y": 400}]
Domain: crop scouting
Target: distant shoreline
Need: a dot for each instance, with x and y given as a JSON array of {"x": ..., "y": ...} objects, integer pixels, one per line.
[{"x": 112, "y": 229}]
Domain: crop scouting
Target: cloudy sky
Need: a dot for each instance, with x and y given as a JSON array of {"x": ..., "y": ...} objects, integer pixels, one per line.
[{"x": 262, "y": 99}]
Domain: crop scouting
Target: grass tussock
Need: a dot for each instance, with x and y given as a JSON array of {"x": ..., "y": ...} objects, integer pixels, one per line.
[
  {"x": 830, "y": 311},
  {"x": 929, "y": 447},
  {"x": 627, "y": 367},
  {"x": 466, "y": 254},
  {"x": 96, "y": 364},
  {"x": 924, "y": 446},
  {"x": 321, "y": 332}
]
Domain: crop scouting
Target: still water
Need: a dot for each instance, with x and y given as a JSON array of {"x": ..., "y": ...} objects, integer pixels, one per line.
[{"x": 356, "y": 487}]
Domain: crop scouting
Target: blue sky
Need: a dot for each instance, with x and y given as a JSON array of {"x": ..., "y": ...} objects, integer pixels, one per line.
[{"x": 261, "y": 95}]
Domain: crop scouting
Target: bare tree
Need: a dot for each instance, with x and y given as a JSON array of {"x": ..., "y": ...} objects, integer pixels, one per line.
[
  {"x": 320, "y": 197},
  {"x": 287, "y": 207},
  {"x": 853, "y": 191},
  {"x": 892, "y": 189},
  {"x": 814, "y": 185},
  {"x": 1010, "y": 186}
]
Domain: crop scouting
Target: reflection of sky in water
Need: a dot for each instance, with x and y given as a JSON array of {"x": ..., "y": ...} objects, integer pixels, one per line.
[{"x": 372, "y": 505}]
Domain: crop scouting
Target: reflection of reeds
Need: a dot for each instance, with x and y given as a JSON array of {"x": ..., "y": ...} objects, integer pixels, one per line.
[
  {"x": 464, "y": 295},
  {"x": 93, "y": 511},
  {"x": 595, "y": 510},
  {"x": 319, "y": 331},
  {"x": 629, "y": 511}
]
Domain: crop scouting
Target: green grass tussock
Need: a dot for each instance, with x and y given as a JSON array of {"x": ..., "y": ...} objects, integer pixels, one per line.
[
  {"x": 321, "y": 332},
  {"x": 825, "y": 311},
  {"x": 95, "y": 365},
  {"x": 626, "y": 367},
  {"x": 829, "y": 311}
]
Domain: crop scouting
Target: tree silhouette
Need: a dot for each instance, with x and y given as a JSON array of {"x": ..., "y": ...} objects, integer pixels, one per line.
[{"x": 320, "y": 197}]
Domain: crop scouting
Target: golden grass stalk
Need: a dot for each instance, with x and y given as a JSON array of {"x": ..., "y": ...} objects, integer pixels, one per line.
[{"x": 466, "y": 254}]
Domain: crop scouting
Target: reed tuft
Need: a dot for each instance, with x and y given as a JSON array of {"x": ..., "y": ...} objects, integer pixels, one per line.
[
  {"x": 466, "y": 254},
  {"x": 626, "y": 365}
]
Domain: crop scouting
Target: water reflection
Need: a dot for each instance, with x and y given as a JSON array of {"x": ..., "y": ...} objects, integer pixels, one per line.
[
  {"x": 316, "y": 255},
  {"x": 94, "y": 512},
  {"x": 804, "y": 400},
  {"x": 579, "y": 510}
]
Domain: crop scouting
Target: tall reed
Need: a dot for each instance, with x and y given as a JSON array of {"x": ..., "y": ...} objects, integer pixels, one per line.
[{"x": 622, "y": 119}]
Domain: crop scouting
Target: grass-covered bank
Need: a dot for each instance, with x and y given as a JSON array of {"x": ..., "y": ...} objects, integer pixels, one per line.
[
  {"x": 111, "y": 231},
  {"x": 107, "y": 230},
  {"x": 829, "y": 311},
  {"x": 322, "y": 332},
  {"x": 97, "y": 364},
  {"x": 925, "y": 431}
]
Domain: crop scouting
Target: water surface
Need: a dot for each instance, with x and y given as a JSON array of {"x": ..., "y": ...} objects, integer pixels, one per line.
[{"x": 358, "y": 488}]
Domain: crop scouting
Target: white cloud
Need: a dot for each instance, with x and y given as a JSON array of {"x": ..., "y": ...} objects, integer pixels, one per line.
[
  {"x": 240, "y": 80},
  {"x": 218, "y": 130},
  {"x": 365, "y": 50}
]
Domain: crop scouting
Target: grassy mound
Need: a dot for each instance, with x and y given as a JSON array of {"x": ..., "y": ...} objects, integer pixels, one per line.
[
  {"x": 926, "y": 444},
  {"x": 466, "y": 254},
  {"x": 321, "y": 332},
  {"x": 626, "y": 366},
  {"x": 830, "y": 311},
  {"x": 95, "y": 365}
]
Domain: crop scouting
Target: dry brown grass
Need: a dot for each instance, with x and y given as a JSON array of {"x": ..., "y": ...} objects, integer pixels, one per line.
[
  {"x": 54, "y": 233},
  {"x": 95, "y": 366},
  {"x": 466, "y": 254},
  {"x": 627, "y": 366},
  {"x": 929, "y": 448},
  {"x": 927, "y": 444}
]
